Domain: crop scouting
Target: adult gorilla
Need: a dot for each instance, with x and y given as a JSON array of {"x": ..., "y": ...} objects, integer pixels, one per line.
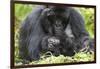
[{"x": 57, "y": 29}]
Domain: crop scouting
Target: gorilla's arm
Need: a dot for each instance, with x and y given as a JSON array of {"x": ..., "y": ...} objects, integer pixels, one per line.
[
  {"x": 26, "y": 40},
  {"x": 78, "y": 29}
]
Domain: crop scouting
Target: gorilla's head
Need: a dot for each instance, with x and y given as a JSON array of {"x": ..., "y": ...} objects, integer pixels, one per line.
[{"x": 56, "y": 19}]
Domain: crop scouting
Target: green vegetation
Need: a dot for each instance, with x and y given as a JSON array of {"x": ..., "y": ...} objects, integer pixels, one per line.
[
  {"x": 88, "y": 14},
  {"x": 50, "y": 59},
  {"x": 21, "y": 12},
  {"x": 79, "y": 57}
]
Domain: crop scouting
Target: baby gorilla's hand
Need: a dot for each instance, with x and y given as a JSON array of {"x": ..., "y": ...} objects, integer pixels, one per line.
[
  {"x": 54, "y": 45},
  {"x": 52, "y": 42}
]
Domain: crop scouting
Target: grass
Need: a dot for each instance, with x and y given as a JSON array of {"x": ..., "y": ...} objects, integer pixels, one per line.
[{"x": 50, "y": 59}]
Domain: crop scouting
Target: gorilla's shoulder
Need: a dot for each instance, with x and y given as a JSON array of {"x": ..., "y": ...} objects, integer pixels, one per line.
[{"x": 36, "y": 11}]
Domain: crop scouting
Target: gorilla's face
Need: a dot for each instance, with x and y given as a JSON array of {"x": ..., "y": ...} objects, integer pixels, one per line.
[{"x": 57, "y": 20}]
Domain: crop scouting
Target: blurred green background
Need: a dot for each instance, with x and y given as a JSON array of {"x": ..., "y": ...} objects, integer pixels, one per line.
[{"x": 22, "y": 11}]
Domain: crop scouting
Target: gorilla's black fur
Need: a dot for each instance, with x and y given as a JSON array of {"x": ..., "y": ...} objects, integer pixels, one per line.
[{"x": 57, "y": 29}]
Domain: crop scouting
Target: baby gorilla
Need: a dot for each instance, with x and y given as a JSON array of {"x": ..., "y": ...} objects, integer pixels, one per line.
[
  {"x": 52, "y": 45},
  {"x": 58, "y": 47}
]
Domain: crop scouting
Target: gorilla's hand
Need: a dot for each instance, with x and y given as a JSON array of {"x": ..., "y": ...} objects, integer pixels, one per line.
[
  {"x": 88, "y": 46},
  {"x": 54, "y": 45},
  {"x": 52, "y": 42},
  {"x": 45, "y": 12},
  {"x": 49, "y": 42}
]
